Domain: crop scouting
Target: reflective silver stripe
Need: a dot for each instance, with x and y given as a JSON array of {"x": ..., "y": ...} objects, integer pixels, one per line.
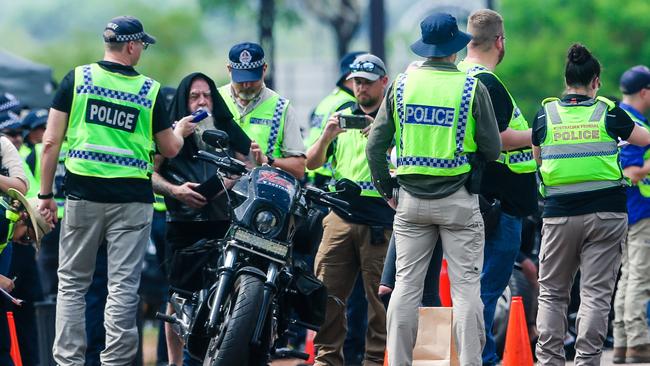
[
  {"x": 579, "y": 150},
  {"x": 583, "y": 187},
  {"x": 110, "y": 149},
  {"x": 553, "y": 113},
  {"x": 601, "y": 108}
]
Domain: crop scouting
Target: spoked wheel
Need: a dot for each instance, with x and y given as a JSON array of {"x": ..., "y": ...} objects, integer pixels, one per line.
[{"x": 231, "y": 345}]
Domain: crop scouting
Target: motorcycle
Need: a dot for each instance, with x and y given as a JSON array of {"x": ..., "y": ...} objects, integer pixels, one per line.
[{"x": 257, "y": 287}]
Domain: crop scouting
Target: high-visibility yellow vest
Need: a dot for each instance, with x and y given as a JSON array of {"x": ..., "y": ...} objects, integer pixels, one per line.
[
  {"x": 433, "y": 122},
  {"x": 110, "y": 125},
  {"x": 578, "y": 155}
]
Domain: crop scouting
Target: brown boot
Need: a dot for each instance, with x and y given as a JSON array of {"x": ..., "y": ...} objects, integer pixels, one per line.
[
  {"x": 619, "y": 354},
  {"x": 638, "y": 354}
]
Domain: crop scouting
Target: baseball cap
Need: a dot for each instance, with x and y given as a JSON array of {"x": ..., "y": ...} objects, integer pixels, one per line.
[
  {"x": 127, "y": 28},
  {"x": 440, "y": 36},
  {"x": 635, "y": 79},
  {"x": 367, "y": 66},
  {"x": 35, "y": 118},
  {"x": 246, "y": 61},
  {"x": 8, "y": 102}
]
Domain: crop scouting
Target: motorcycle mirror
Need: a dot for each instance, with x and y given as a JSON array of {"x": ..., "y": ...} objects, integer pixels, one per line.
[
  {"x": 215, "y": 138},
  {"x": 348, "y": 187}
]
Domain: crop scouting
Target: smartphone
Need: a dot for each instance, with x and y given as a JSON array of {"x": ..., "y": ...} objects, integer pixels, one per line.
[
  {"x": 199, "y": 115},
  {"x": 349, "y": 121}
]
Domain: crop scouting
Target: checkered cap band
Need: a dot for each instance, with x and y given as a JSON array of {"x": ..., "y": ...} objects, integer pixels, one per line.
[
  {"x": 89, "y": 88},
  {"x": 13, "y": 119},
  {"x": 129, "y": 37},
  {"x": 275, "y": 124},
  {"x": 246, "y": 66},
  {"x": 108, "y": 158},
  {"x": 11, "y": 103}
]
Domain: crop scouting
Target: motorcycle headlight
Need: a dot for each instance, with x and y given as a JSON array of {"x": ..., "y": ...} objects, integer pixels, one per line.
[{"x": 265, "y": 222}]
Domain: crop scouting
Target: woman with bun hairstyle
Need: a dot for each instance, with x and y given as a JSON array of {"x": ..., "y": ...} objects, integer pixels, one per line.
[{"x": 585, "y": 219}]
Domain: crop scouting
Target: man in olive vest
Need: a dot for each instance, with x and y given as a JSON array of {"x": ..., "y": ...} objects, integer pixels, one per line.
[
  {"x": 440, "y": 119},
  {"x": 112, "y": 117},
  {"x": 510, "y": 179},
  {"x": 353, "y": 244},
  {"x": 631, "y": 340},
  {"x": 267, "y": 118}
]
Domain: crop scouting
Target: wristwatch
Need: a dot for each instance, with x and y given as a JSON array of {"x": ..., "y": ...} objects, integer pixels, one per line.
[{"x": 270, "y": 160}]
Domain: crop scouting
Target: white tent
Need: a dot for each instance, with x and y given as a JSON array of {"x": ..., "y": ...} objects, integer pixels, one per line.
[{"x": 30, "y": 82}]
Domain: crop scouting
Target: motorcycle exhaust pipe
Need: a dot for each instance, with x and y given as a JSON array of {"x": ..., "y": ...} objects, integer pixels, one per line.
[
  {"x": 269, "y": 291},
  {"x": 225, "y": 278}
]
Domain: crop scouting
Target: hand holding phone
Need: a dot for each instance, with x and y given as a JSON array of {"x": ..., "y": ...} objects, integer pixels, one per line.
[
  {"x": 350, "y": 121},
  {"x": 199, "y": 115}
]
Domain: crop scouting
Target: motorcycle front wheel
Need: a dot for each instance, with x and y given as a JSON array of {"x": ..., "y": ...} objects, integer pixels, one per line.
[{"x": 231, "y": 345}]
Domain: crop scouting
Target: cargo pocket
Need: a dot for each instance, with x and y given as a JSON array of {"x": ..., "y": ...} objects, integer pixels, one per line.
[{"x": 550, "y": 225}]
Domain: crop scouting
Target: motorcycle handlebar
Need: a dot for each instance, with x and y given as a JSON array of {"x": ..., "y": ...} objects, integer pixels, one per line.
[
  {"x": 325, "y": 198},
  {"x": 229, "y": 165}
]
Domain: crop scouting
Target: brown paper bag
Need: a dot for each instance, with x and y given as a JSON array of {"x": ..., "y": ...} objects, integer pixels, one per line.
[{"x": 435, "y": 344}]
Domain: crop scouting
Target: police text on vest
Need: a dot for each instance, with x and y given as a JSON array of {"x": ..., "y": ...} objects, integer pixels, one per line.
[
  {"x": 430, "y": 115},
  {"x": 112, "y": 115}
]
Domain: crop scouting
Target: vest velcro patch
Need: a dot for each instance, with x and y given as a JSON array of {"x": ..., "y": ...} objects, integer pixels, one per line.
[
  {"x": 112, "y": 115},
  {"x": 430, "y": 115},
  {"x": 260, "y": 121}
]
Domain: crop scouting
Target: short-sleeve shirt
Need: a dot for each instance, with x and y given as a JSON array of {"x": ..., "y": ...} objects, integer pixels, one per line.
[
  {"x": 638, "y": 206},
  {"x": 619, "y": 126},
  {"x": 517, "y": 192},
  {"x": 12, "y": 163},
  {"x": 108, "y": 190}
]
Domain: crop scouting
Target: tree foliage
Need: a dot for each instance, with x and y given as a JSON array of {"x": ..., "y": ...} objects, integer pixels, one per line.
[{"x": 539, "y": 33}]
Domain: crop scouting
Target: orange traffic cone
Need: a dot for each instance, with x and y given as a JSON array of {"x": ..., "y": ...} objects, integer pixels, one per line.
[
  {"x": 517, "y": 351},
  {"x": 386, "y": 357},
  {"x": 309, "y": 346},
  {"x": 15, "y": 351},
  {"x": 445, "y": 287}
]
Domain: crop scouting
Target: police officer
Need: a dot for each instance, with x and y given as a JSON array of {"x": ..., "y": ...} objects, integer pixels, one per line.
[
  {"x": 440, "y": 119},
  {"x": 631, "y": 340},
  {"x": 192, "y": 216},
  {"x": 12, "y": 175},
  {"x": 111, "y": 116},
  {"x": 267, "y": 118},
  {"x": 357, "y": 243},
  {"x": 341, "y": 97},
  {"x": 584, "y": 219},
  {"x": 511, "y": 179}
]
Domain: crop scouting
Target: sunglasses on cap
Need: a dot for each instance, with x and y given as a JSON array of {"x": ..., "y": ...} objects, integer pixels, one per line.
[{"x": 366, "y": 66}]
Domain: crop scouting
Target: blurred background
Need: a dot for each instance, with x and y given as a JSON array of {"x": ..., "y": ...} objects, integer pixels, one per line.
[{"x": 304, "y": 39}]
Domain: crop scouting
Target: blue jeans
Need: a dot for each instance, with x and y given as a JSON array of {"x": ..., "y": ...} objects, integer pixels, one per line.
[{"x": 501, "y": 248}]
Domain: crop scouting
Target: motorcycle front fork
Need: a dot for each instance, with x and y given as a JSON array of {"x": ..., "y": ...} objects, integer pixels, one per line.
[
  {"x": 226, "y": 276},
  {"x": 269, "y": 291}
]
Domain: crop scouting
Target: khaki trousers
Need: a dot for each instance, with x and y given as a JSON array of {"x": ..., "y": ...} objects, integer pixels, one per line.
[
  {"x": 418, "y": 224},
  {"x": 630, "y": 321},
  {"x": 125, "y": 228},
  {"x": 345, "y": 251},
  {"x": 593, "y": 244}
]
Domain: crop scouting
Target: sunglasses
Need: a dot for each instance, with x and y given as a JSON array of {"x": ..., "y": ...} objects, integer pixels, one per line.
[{"x": 365, "y": 66}]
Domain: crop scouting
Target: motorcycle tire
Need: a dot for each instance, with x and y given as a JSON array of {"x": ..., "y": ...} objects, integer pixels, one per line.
[{"x": 231, "y": 345}]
